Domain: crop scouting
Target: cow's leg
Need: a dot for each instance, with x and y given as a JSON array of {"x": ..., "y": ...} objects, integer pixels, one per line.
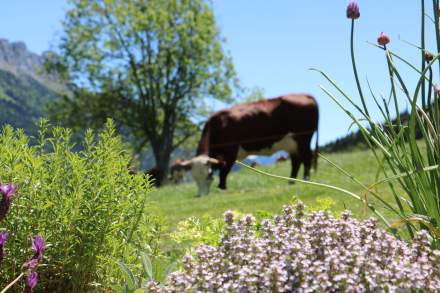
[
  {"x": 224, "y": 170},
  {"x": 306, "y": 156},
  {"x": 295, "y": 162}
]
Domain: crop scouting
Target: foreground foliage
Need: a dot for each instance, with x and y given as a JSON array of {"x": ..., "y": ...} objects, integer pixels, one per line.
[
  {"x": 85, "y": 204},
  {"x": 313, "y": 253},
  {"x": 405, "y": 163}
]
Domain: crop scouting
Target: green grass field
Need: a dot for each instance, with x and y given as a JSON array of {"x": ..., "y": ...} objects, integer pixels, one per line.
[{"x": 249, "y": 192}]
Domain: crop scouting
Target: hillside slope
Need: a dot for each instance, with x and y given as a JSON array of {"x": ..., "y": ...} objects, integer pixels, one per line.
[
  {"x": 22, "y": 100},
  {"x": 24, "y": 89}
]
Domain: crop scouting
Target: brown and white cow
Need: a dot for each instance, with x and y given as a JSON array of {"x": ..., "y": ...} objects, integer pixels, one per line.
[
  {"x": 260, "y": 128},
  {"x": 177, "y": 171}
]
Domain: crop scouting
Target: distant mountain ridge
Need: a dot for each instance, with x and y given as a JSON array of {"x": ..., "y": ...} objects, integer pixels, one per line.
[{"x": 25, "y": 89}]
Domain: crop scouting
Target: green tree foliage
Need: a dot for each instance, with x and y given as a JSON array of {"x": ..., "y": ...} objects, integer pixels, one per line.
[
  {"x": 254, "y": 94},
  {"x": 146, "y": 64}
]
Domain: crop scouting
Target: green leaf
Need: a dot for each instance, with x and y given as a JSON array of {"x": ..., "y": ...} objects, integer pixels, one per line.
[
  {"x": 118, "y": 289},
  {"x": 129, "y": 277},
  {"x": 146, "y": 263}
]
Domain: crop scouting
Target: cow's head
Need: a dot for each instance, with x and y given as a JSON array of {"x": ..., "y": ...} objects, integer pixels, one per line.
[
  {"x": 178, "y": 171},
  {"x": 202, "y": 172}
]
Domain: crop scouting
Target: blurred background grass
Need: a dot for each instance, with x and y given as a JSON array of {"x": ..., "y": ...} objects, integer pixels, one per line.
[{"x": 249, "y": 192}]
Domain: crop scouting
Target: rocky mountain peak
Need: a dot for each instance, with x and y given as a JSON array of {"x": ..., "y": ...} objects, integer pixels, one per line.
[{"x": 17, "y": 59}]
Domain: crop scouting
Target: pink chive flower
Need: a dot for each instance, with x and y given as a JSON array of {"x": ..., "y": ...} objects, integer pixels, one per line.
[
  {"x": 3, "y": 237},
  {"x": 353, "y": 10},
  {"x": 428, "y": 56},
  {"x": 383, "y": 39},
  {"x": 436, "y": 89},
  {"x": 6, "y": 193},
  {"x": 31, "y": 282}
]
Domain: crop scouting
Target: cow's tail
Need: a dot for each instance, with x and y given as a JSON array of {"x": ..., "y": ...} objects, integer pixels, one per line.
[{"x": 315, "y": 153}]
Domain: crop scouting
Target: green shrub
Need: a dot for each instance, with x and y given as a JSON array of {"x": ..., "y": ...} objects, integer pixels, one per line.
[
  {"x": 85, "y": 204},
  {"x": 194, "y": 231}
]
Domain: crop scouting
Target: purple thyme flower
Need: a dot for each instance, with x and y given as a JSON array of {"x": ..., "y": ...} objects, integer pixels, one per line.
[
  {"x": 3, "y": 237},
  {"x": 299, "y": 252},
  {"x": 38, "y": 246},
  {"x": 6, "y": 192},
  {"x": 229, "y": 217},
  {"x": 353, "y": 10},
  {"x": 31, "y": 282}
]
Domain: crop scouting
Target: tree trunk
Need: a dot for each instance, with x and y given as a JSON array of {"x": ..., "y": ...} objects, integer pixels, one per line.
[{"x": 162, "y": 155}]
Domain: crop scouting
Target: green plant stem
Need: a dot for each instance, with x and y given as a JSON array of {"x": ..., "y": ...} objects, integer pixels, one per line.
[
  {"x": 353, "y": 62},
  {"x": 422, "y": 41},
  {"x": 429, "y": 106},
  {"x": 435, "y": 4},
  {"x": 12, "y": 283},
  {"x": 393, "y": 88},
  {"x": 354, "y": 179},
  {"x": 401, "y": 175}
]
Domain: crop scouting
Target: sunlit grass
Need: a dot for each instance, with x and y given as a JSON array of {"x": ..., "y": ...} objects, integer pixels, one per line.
[{"x": 249, "y": 192}]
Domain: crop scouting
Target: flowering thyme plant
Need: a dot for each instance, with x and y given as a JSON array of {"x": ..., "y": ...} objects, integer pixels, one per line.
[
  {"x": 307, "y": 253},
  {"x": 85, "y": 203},
  {"x": 6, "y": 193},
  {"x": 38, "y": 245}
]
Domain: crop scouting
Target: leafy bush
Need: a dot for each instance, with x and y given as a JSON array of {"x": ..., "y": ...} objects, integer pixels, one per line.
[
  {"x": 85, "y": 204},
  {"x": 313, "y": 253}
]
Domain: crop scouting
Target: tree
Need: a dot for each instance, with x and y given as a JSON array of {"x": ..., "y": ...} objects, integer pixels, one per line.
[
  {"x": 148, "y": 64},
  {"x": 254, "y": 94}
]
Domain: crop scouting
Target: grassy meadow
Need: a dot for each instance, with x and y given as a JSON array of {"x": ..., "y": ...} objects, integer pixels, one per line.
[{"x": 250, "y": 192}]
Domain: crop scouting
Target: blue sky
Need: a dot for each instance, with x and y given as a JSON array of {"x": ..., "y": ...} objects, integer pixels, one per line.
[{"x": 273, "y": 43}]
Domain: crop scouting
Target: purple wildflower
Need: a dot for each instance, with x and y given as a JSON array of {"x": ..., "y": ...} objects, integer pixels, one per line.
[
  {"x": 353, "y": 10},
  {"x": 31, "y": 282},
  {"x": 6, "y": 192},
  {"x": 31, "y": 264},
  {"x": 436, "y": 89},
  {"x": 3, "y": 237},
  {"x": 38, "y": 246}
]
